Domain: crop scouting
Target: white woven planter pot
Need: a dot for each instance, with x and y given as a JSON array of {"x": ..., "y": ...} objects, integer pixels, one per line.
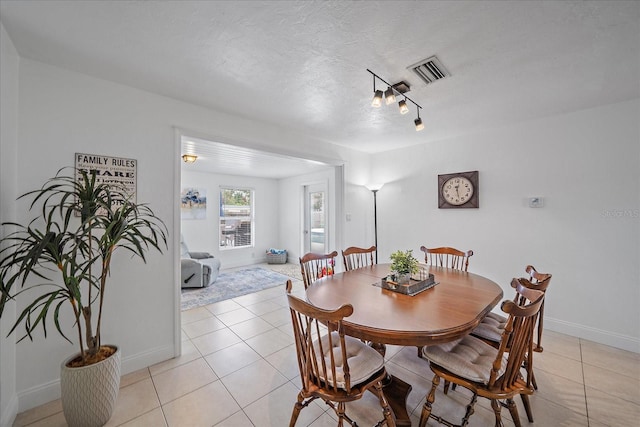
[{"x": 89, "y": 393}]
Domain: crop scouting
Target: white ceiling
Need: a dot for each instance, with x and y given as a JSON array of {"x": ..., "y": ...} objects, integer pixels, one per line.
[{"x": 302, "y": 65}]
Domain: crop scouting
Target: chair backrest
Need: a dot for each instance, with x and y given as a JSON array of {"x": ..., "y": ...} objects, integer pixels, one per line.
[
  {"x": 320, "y": 345},
  {"x": 447, "y": 257},
  {"x": 355, "y": 257},
  {"x": 517, "y": 338},
  {"x": 540, "y": 281},
  {"x": 314, "y": 266}
]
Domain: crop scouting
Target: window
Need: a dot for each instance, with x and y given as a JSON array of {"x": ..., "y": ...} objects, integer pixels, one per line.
[{"x": 236, "y": 218}]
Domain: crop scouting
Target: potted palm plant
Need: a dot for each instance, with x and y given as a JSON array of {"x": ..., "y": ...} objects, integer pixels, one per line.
[
  {"x": 62, "y": 259},
  {"x": 403, "y": 265}
]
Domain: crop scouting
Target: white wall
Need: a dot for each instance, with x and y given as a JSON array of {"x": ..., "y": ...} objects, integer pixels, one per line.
[
  {"x": 586, "y": 166},
  {"x": 63, "y": 112},
  {"x": 202, "y": 234},
  {"x": 9, "y": 65}
]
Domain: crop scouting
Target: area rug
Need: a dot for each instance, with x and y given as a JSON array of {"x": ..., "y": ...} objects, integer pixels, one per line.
[
  {"x": 291, "y": 270},
  {"x": 232, "y": 284}
]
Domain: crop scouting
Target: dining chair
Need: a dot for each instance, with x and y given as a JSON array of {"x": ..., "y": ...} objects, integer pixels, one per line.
[
  {"x": 489, "y": 372},
  {"x": 493, "y": 324},
  {"x": 447, "y": 257},
  {"x": 355, "y": 257},
  {"x": 333, "y": 367},
  {"x": 315, "y": 266}
]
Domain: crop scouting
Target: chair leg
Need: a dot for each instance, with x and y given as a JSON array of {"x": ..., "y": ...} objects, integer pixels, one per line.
[
  {"x": 431, "y": 397},
  {"x": 527, "y": 407},
  {"x": 389, "y": 419},
  {"x": 513, "y": 409},
  {"x": 469, "y": 411},
  {"x": 420, "y": 353},
  {"x": 496, "y": 409},
  {"x": 446, "y": 386},
  {"x": 296, "y": 410}
]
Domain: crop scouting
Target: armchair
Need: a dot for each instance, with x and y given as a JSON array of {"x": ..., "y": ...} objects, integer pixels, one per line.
[{"x": 197, "y": 269}]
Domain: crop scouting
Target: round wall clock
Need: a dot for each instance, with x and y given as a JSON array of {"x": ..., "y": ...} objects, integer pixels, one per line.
[{"x": 458, "y": 190}]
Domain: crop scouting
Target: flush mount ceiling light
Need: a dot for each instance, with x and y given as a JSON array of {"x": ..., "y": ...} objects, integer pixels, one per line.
[
  {"x": 189, "y": 158},
  {"x": 390, "y": 97}
]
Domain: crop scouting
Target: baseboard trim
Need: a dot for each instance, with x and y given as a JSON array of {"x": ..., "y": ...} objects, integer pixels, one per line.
[
  {"x": 10, "y": 412},
  {"x": 601, "y": 336},
  {"x": 46, "y": 392}
]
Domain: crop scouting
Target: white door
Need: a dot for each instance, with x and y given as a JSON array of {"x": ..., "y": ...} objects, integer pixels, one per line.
[{"x": 315, "y": 219}]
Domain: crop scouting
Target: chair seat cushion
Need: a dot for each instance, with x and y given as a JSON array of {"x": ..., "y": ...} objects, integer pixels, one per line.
[
  {"x": 363, "y": 360},
  {"x": 491, "y": 327},
  {"x": 468, "y": 357}
]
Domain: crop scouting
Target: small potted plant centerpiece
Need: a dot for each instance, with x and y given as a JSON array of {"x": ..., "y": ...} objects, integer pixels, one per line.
[
  {"x": 403, "y": 265},
  {"x": 62, "y": 258}
]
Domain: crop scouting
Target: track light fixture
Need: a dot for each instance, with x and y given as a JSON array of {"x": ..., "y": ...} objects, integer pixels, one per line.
[
  {"x": 402, "y": 105},
  {"x": 189, "y": 158},
  {"x": 377, "y": 95},
  {"x": 390, "y": 98},
  {"x": 418, "y": 123}
]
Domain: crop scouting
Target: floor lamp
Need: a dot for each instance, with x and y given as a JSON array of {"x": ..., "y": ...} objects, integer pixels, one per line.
[{"x": 374, "y": 189}]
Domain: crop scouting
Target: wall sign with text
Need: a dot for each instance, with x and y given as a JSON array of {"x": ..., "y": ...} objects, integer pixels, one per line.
[{"x": 110, "y": 170}]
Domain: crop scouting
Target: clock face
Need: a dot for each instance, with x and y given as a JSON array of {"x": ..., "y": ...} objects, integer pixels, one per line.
[{"x": 457, "y": 190}]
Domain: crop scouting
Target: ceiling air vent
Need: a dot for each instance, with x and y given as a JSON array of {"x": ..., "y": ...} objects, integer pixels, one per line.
[{"x": 430, "y": 70}]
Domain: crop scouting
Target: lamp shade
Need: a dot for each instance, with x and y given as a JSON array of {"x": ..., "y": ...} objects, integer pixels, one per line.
[
  {"x": 390, "y": 96},
  {"x": 419, "y": 124},
  {"x": 377, "y": 99},
  {"x": 375, "y": 186},
  {"x": 402, "y": 105}
]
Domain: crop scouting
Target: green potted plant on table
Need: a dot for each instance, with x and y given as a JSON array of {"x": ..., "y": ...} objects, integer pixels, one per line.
[
  {"x": 403, "y": 265},
  {"x": 62, "y": 258}
]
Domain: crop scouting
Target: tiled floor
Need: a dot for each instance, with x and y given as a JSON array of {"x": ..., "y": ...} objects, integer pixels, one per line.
[{"x": 238, "y": 369}]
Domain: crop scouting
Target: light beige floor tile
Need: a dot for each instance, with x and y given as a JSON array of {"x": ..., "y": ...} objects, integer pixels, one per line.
[
  {"x": 133, "y": 401},
  {"x": 134, "y": 377},
  {"x": 239, "y": 419},
  {"x": 278, "y": 317},
  {"x": 201, "y": 327},
  {"x": 251, "y": 299},
  {"x": 223, "y": 306},
  {"x": 611, "y": 410},
  {"x": 214, "y": 341},
  {"x": 285, "y": 361},
  {"x": 252, "y": 382},
  {"x": 550, "y": 413},
  {"x": 420, "y": 385},
  {"x": 562, "y": 391},
  {"x": 194, "y": 314},
  {"x": 56, "y": 420},
  {"x": 189, "y": 353},
  {"x": 263, "y": 307},
  {"x": 622, "y": 386},
  {"x": 232, "y": 358},
  {"x": 558, "y": 365},
  {"x": 153, "y": 418},
  {"x": 274, "y": 409},
  {"x": 251, "y": 328},
  {"x": 38, "y": 413},
  {"x": 408, "y": 358},
  {"x": 326, "y": 420},
  {"x": 236, "y": 316},
  {"x": 183, "y": 379},
  {"x": 624, "y": 362},
  {"x": 562, "y": 344},
  {"x": 206, "y": 406},
  {"x": 270, "y": 342}
]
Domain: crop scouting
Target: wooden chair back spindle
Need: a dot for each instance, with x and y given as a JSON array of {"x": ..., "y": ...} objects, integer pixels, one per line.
[
  {"x": 355, "y": 257},
  {"x": 315, "y": 266}
]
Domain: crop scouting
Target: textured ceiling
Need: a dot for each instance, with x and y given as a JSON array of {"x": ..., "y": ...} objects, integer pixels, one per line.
[{"x": 302, "y": 65}]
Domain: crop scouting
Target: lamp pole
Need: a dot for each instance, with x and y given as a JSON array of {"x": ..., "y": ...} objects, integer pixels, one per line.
[{"x": 375, "y": 221}]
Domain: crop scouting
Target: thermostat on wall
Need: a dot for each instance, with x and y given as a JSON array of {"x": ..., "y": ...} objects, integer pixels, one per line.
[{"x": 536, "y": 202}]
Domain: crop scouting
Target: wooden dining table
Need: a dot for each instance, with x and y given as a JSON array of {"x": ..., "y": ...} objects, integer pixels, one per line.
[{"x": 445, "y": 312}]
